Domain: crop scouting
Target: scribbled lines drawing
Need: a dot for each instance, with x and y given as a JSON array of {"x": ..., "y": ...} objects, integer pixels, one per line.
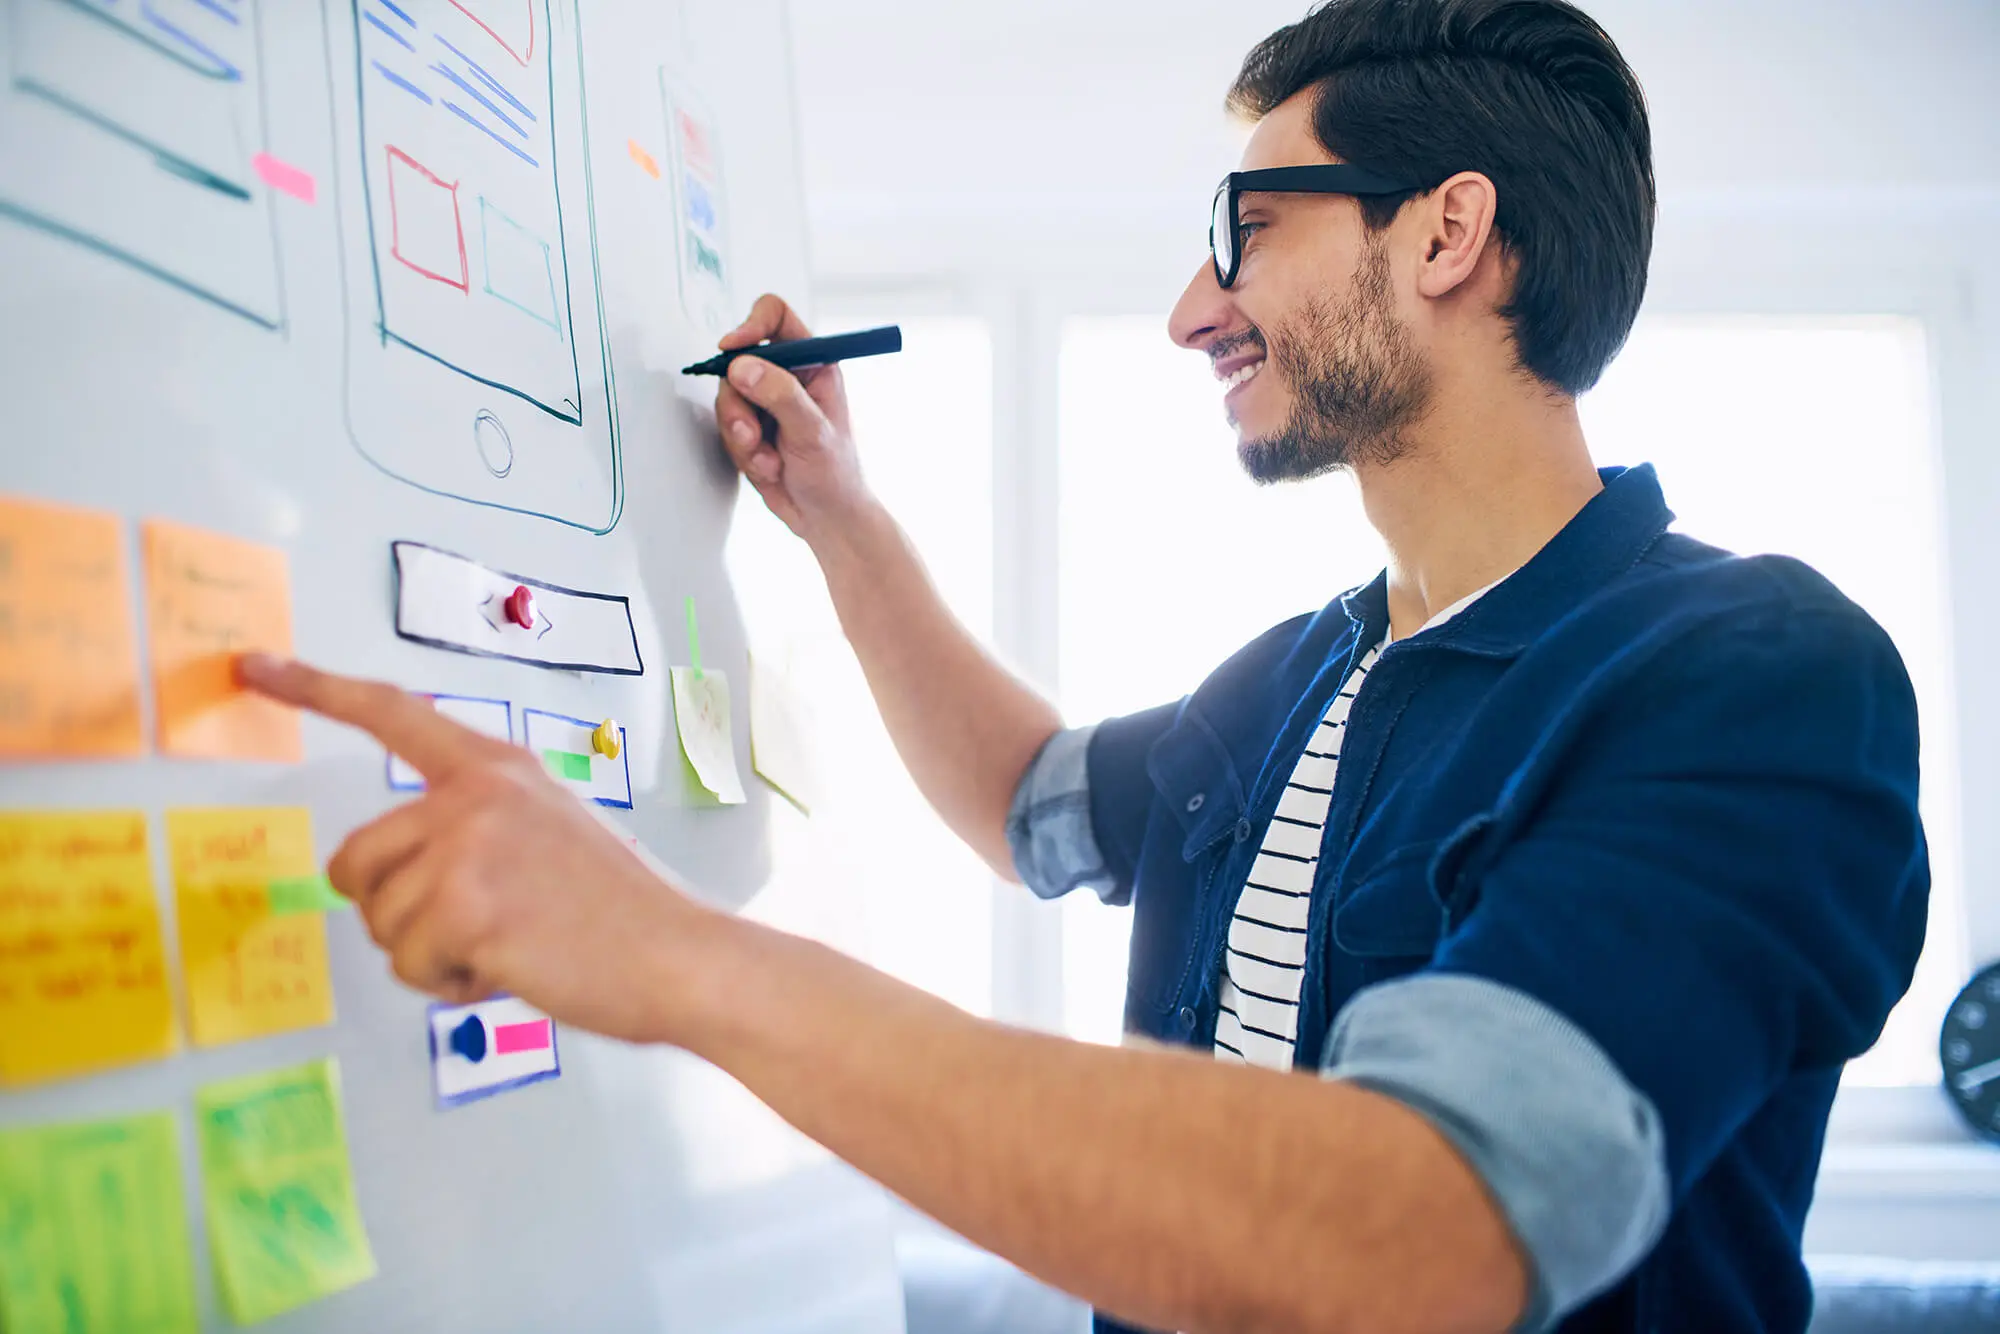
[{"x": 176, "y": 80}]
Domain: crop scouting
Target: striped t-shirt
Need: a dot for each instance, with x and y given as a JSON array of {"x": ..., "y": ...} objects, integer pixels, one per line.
[{"x": 1266, "y": 957}]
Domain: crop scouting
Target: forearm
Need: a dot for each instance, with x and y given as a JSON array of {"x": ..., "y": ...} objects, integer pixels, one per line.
[
  {"x": 965, "y": 726},
  {"x": 1177, "y": 1192}
]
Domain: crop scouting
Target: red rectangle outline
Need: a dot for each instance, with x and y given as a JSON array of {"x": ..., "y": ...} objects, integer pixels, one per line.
[{"x": 464, "y": 280}]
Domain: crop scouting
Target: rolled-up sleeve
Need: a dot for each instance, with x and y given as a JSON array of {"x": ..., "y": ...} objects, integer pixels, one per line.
[
  {"x": 1049, "y": 826},
  {"x": 1721, "y": 884},
  {"x": 1571, "y": 1154}
]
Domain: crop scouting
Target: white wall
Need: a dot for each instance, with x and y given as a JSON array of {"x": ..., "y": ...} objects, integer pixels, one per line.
[{"x": 1033, "y": 158}]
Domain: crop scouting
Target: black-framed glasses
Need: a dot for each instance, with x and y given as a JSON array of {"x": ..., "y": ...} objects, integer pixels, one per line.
[{"x": 1324, "y": 178}]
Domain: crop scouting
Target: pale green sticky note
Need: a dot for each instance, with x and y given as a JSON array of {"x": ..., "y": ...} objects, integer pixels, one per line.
[
  {"x": 94, "y": 1229},
  {"x": 306, "y": 893},
  {"x": 701, "y": 714},
  {"x": 568, "y": 765},
  {"x": 279, "y": 1190}
]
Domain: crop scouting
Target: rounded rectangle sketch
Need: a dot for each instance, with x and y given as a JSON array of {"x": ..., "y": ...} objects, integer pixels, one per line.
[
  {"x": 446, "y": 601},
  {"x": 479, "y": 363}
]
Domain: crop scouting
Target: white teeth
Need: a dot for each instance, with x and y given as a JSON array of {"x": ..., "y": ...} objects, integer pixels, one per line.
[{"x": 1242, "y": 375}]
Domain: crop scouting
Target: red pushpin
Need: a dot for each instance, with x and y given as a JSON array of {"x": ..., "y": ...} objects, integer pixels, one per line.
[{"x": 520, "y": 607}]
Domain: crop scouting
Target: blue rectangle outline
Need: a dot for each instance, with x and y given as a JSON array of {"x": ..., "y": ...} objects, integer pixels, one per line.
[
  {"x": 389, "y": 758},
  {"x": 624, "y": 751},
  {"x": 445, "y": 1104}
]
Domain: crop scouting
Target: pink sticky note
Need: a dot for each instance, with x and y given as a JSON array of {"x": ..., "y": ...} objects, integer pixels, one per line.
[
  {"x": 510, "y": 1038},
  {"x": 282, "y": 175}
]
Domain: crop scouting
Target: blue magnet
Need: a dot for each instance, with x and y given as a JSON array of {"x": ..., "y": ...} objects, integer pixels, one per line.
[{"x": 469, "y": 1039}]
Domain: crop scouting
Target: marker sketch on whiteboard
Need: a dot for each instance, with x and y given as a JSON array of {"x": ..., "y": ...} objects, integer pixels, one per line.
[
  {"x": 478, "y": 361},
  {"x": 132, "y": 128},
  {"x": 701, "y": 216},
  {"x": 459, "y": 168}
]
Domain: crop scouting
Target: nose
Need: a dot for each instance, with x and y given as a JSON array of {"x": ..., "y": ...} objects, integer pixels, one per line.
[{"x": 1203, "y": 311}]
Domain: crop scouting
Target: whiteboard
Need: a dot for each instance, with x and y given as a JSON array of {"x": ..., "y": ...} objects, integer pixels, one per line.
[{"x": 268, "y": 277}]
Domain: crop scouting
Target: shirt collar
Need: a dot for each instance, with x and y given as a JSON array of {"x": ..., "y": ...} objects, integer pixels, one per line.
[{"x": 1604, "y": 540}]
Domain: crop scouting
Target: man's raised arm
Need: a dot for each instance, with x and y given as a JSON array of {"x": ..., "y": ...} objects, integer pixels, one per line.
[{"x": 965, "y": 726}]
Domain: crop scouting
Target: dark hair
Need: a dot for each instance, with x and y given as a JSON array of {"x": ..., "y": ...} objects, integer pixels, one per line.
[{"x": 1532, "y": 93}]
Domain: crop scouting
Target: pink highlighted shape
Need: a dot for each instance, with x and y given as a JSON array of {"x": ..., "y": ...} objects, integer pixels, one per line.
[
  {"x": 281, "y": 175},
  {"x": 510, "y": 1038}
]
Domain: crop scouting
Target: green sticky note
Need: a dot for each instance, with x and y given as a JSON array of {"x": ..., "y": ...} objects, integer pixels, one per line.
[
  {"x": 279, "y": 1190},
  {"x": 94, "y": 1229},
  {"x": 567, "y": 765},
  {"x": 307, "y": 893}
]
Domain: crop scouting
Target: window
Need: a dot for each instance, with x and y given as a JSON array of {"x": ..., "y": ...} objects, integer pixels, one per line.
[
  {"x": 1815, "y": 438},
  {"x": 1812, "y": 438},
  {"x": 1146, "y": 614},
  {"x": 924, "y": 422}
]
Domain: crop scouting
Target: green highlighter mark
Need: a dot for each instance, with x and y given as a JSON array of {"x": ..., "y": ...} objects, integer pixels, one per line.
[
  {"x": 567, "y": 765},
  {"x": 306, "y": 893}
]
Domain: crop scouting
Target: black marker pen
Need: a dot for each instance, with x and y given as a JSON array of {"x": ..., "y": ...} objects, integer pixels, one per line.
[{"x": 802, "y": 352}]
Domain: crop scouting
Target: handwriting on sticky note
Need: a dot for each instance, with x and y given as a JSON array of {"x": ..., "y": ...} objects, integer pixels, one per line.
[
  {"x": 249, "y": 968},
  {"x": 69, "y": 666},
  {"x": 208, "y": 599},
  {"x": 93, "y": 1228},
  {"x": 278, "y": 1190},
  {"x": 701, "y": 713},
  {"x": 83, "y": 977}
]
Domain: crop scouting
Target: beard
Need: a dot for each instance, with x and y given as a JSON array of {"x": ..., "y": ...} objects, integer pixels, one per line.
[{"x": 1357, "y": 379}]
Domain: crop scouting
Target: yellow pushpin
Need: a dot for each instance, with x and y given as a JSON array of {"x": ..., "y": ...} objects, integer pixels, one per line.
[{"x": 604, "y": 739}]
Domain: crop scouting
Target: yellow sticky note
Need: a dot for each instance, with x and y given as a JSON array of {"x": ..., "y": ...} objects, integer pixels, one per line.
[
  {"x": 69, "y": 663},
  {"x": 208, "y": 599},
  {"x": 83, "y": 977},
  {"x": 278, "y": 1187},
  {"x": 701, "y": 713},
  {"x": 94, "y": 1229},
  {"x": 249, "y": 970}
]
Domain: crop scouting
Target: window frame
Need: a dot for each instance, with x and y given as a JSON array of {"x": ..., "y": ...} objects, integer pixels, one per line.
[{"x": 1785, "y": 257}]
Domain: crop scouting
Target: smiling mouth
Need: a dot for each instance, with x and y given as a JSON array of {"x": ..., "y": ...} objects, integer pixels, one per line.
[{"x": 1242, "y": 375}]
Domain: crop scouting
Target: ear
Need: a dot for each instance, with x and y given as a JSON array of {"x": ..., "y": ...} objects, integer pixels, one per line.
[{"x": 1458, "y": 222}]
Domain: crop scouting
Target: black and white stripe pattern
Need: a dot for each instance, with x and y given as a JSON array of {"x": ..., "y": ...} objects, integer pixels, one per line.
[{"x": 1266, "y": 958}]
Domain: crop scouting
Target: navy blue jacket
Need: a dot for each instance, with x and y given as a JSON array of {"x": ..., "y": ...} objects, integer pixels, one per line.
[{"x": 1669, "y": 792}]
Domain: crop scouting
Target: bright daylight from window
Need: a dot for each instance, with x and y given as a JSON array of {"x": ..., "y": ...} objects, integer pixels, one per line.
[
  {"x": 1809, "y": 437},
  {"x": 924, "y": 420}
]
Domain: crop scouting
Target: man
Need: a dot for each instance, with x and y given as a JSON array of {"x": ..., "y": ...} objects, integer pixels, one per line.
[{"x": 1520, "y": 908}]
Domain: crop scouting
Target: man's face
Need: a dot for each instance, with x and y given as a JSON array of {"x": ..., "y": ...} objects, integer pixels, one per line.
[{"x": 1320, "y": 370}]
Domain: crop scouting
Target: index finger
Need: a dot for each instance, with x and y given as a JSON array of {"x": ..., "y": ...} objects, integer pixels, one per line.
[
  {"x": 432, "y": 743},
  {"x": 770, "y": 318}
]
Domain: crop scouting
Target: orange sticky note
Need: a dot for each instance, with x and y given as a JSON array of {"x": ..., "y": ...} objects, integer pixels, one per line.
[
  {"x": 249, "y": 971},
  {"x": 69, "y": 665},
  {"x": 209, "y": 598},
  {"x": 83, "y": 976},
  {"x": 643, "y": 158}
]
